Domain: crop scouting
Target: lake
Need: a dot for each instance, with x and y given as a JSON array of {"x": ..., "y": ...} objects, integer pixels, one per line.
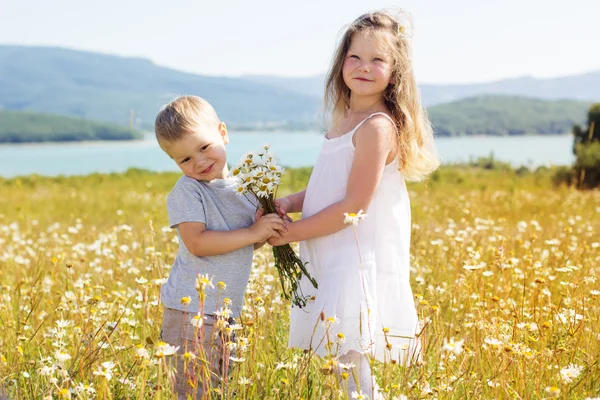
[{"x": 292, "y": 150}]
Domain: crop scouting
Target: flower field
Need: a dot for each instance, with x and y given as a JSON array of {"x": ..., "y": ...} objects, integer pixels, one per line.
[{"x": 505, "y": 273}]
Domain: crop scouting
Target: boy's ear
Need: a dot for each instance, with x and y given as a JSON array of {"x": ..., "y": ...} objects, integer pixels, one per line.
[{"x": 223, "y": 132}]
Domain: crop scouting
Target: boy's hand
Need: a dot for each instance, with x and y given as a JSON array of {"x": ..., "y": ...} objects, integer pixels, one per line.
[{"x": 267, "y": 226}]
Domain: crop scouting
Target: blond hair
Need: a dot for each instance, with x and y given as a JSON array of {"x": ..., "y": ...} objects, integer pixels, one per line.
[
  {"x": 418, "y": 157},
  {"x": 182, "y": 116}
]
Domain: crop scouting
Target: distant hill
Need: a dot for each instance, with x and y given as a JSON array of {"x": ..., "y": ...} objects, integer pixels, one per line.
[
  {"x": 23, "y": 127},
  {"x": 310, "y": 85},
  {"x": 584, "y": 87},
  {"x": 506, "y": 115},
  {"x": 105, "y": 88}
]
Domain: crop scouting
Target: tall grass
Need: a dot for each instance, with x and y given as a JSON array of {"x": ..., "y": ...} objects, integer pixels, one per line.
[{"x": 504, "y": 272}]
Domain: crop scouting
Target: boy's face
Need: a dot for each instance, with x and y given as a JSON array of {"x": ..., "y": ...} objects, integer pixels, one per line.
[{"x": 201, "y": 155}]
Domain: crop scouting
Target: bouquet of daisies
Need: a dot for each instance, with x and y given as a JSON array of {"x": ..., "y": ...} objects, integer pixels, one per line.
[{"x": 259, "y": 176}]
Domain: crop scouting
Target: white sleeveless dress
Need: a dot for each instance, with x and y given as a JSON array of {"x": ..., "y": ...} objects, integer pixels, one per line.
[{"x": 363, "y": 299}]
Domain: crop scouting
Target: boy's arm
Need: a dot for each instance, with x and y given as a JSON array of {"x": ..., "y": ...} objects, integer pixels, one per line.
[
  {"x": 259, "y": 245},
  {"x": 202, "y": 242}
]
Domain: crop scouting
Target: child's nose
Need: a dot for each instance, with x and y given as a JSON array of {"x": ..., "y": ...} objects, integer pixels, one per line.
[
  {"x": 200, "y": 159},
  {"x": 364, "y": 66}
]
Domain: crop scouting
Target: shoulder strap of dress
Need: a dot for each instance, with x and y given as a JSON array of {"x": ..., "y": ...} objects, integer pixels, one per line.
[
  {"x": 384, "y": 114},
  {"x": 370, "y": 116}
]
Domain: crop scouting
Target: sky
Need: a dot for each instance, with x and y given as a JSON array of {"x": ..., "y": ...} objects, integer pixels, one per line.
[{"x": 459, "y": 41}]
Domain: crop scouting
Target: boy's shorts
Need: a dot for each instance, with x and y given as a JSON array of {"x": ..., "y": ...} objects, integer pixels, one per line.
[{"x": 207, "y": 345}]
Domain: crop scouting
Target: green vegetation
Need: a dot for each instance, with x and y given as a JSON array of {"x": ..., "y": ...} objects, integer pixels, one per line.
[
  {"x": 23, "y": 127},
  {"x": 506, "y": 115},
  {"x": 585, "y": 172},
  {"x": 586, "y": 147},
  {"x": 502, "y": 271},
  {"x": 587, "y": 165}
]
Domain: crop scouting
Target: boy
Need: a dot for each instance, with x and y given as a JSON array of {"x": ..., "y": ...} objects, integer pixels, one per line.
[{"x": 217, "y": 237}]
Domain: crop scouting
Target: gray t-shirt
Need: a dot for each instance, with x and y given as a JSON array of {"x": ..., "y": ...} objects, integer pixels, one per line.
[{"x": 217, "y": 205}]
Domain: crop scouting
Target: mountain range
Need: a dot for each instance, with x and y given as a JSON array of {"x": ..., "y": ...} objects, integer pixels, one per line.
[
  {"x": 584, "y": 87},
  {"x": 107, "y": 88}
]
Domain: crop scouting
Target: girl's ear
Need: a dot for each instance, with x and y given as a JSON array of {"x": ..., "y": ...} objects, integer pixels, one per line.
[
  {"x": 223, "y": 132},
  {"x": 394, "y": 80}
]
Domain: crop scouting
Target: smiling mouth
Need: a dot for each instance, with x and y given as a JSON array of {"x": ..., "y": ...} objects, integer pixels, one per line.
[
  {"x": 363, "y": 80},
  {"x": 207, "y": 170}
]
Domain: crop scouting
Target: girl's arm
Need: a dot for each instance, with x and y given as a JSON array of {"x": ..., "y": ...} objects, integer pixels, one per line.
[{"x": 373, "y": 143}]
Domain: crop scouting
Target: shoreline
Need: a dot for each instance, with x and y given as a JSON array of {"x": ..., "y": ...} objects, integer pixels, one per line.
[
  {"x": 291, "y": 150},
  {"x": 150, "y": 137},
  {"x": 135, "y": 170}
]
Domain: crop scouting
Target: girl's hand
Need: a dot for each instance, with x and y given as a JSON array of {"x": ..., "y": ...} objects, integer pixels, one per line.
[
  {"x": 258, "y": 245},
  {"x": 267, "y": 226},
  {"x": 283, "y": 237},
  {"x": 277, "y": 241},
  {"x": 280, "y": 211},
  {"x": 282, "y": 206}
]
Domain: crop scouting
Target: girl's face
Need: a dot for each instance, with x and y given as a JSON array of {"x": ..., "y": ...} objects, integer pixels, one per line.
[{"x": 367, "y": 69}]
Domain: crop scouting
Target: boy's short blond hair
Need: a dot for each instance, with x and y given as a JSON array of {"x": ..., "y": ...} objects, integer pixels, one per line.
[{"x": 182, "y": 116}]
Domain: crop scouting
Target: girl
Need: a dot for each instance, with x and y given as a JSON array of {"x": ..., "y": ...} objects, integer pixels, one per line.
[{"x": 379, "y": 137}]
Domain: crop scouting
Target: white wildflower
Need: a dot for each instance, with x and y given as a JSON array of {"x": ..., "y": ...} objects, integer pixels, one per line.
[
  {"x": 569, "y": 373},
  {"x": 163, "y": 349},
  {"x": 347, "y": 366},
  {"x": 105, "y": 370},
  {"x": 244, "y": 381},
  {"x": 453, "y": 346},
  {"x": 354, "y": 219},
  {"x": 359, "y": 395}
]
